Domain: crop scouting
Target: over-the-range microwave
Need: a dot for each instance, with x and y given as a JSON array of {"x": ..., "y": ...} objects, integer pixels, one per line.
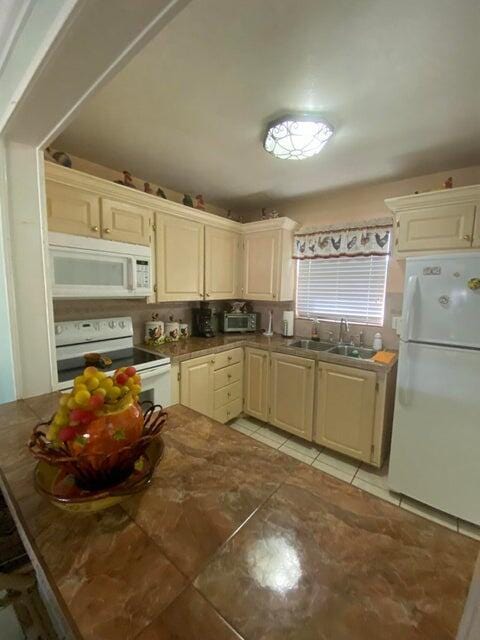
[{"x": 93, "y": 268}]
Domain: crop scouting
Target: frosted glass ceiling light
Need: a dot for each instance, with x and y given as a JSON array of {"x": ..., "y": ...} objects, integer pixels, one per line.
[{"x": 295, "y": 137}]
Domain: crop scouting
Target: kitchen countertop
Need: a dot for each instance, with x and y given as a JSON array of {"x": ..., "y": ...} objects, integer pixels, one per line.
[
  {"x": 194, "y": 347},
  {"x": 235, "y": 540}
]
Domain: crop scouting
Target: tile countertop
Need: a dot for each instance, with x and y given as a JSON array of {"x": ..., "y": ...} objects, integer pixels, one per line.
[
  {"x": 195, "y": 347},
  {"x": 235, "y": 540}
]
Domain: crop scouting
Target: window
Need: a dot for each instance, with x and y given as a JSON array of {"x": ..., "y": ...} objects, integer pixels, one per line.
[{"x": 350, "y": 288}]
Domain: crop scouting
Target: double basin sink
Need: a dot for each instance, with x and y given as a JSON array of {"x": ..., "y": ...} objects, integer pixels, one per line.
[{"x": 340, "y": 349}]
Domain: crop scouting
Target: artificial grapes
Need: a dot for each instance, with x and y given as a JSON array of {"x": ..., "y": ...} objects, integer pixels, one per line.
[{"x": 93, "y": 395}]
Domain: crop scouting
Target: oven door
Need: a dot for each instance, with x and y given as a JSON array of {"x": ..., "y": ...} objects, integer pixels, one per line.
[
  {"x": 237, "y": 322},
  {"x": 79, "y": 273},
  {"x": 156, "y": 386}
]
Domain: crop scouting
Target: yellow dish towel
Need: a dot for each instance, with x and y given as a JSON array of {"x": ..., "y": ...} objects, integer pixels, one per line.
[{"x": 384, "y": 357}]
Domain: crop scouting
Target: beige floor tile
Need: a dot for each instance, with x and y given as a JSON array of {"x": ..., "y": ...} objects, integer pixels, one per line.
[
  {"x": 273, "y": 434},
  {"x": 377, "y": 477},
  {"x": 303, "y": 447},
  {"x": 248, "y": 423},
  {"x": 238, "y": 426},
  {"x": 295, "y": 454},
  {"x": 429, "y": 513},
  {"x": 469, "y": 529},
  {"x": 261, "y": 438},
  {"x": 346, "y": 476},
  {"x": 339, "y": 461},
  {"x": 375, "y": 490}
]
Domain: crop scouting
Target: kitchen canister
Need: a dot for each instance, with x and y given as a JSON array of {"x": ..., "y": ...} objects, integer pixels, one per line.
[
  {"x": 154, "y": 332},
  {"x": 183, "y": 329},
  {"x": 172, "y": 330}
]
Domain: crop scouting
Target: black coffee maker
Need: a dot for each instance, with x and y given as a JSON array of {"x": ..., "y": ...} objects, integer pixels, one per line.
[{"x": 204, "y": 321}]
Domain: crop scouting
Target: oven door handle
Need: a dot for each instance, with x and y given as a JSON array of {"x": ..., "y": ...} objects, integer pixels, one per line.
[{"x": 156, "y": 371}]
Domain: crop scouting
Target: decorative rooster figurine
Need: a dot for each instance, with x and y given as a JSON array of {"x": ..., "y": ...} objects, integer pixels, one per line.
[{"x": 382, "y": 241}]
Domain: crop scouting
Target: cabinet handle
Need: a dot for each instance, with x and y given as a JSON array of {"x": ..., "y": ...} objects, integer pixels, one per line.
[
  {"x": 212, "y": 361},
  {"x": 207, "y": 295},
  {"x": 229, "y": 357},
  {"x": 95, "y": 227},
  {"x": 274, "y": 295},
  {"x": 228, "y": 394},
  {"x": 229, "y": 375},
  {"x": 467, "y": 237},
  {"x": 107, "y": 230}
]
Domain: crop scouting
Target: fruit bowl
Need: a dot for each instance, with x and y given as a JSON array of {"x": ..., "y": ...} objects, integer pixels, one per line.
[{"x": 103, "y": 461}]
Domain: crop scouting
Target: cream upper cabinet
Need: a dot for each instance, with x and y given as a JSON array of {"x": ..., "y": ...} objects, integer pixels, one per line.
[
  {"x": 260, "y": 251},
  {"x": 291, "y": 394},
  {"x": 345, "y": 409},
  {"x": 72, "y": 210},
  {"x": 222, "y": 264},
  {"x": 437, "y": 221},
  {"x": 268, "y": 267},
  {"x": 197, "y": 384},
  {"x": 256, "y": 386},
  {"x": 126, "y": 222},
  {"x": 179, "y": 258}
]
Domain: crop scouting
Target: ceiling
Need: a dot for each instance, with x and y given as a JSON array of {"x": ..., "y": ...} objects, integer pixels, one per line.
[{"x": 399, "y": 81}]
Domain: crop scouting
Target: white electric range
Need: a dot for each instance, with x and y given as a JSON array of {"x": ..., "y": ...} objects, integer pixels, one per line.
[{"x": 112, "y": 337}]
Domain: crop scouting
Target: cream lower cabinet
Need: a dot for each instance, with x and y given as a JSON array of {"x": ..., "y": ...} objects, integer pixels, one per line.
[
  {"x": 346, "y": 400},
  {"x": 72, "y": 210},
  {"x": 179, "y": 258},
  {"x": 196, "y": 384},
  {"x": 125, "y": 222},
  {"x": 256, "y": 385},
  {"x": 213, "y": 385},
  {"x": 222, "y": 264},
  {"x": 291, "y": 394}
]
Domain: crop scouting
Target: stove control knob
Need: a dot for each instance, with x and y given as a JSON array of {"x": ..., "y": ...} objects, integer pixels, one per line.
[
  {"x": 58, "y": 329},
  {"x": 121, "y": 324},
  {"x": 112, "y": 324}
]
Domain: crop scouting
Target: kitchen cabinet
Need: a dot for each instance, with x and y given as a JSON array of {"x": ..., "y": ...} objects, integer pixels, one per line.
[
  {"x": 291, "y": 394},
  {"x": 179, "y": 257},
  {"x": 437, "y": 221},
  {"x": 196, "y": 384},
  {"x": 222, "y": 264},
  {"x": 126, "y": 222},
  {"x": 72, "y": 210},
  {"x": 256, "y": 391},
  {"x": 346, "y": 399},
  {"x": 213, "y": 385},
  {"x": 268, "y": 269}
]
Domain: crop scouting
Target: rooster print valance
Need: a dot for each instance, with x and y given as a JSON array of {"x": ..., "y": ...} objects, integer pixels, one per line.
[{"x": 343, "y": 243}]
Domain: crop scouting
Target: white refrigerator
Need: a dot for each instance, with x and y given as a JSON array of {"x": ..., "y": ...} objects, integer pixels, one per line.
[{"x": 435, "y": 454}]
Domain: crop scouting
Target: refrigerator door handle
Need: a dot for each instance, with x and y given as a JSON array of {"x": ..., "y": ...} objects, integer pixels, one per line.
[
  {"x": 412, "y": 285},
  {"x": 404, "y": 386}
]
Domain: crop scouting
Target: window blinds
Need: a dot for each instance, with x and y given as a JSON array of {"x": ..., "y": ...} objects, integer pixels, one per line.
[{"x": 350, "y": 288}]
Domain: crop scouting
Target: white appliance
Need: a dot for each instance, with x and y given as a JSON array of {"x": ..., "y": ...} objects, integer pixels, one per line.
[
  {"x": 112, "y": 337},
  {"x": 93, "y": 268},
  {"x": 435, "y": 455}
]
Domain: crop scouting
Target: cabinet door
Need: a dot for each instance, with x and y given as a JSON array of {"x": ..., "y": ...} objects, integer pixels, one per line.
[
  {"x": 196, "y": 385},
  {"x": 261, "y": 268},
  {"x": 345, "y": 409},
  {"x": 126, "y": 222},
  {"x": 222, "y": 264},
  {"x": 291, "y": 394},
  {"x": 256, "y": 383},
  {"x": 431, "y": 228},
  {"x": 179, "y": 258},
  {"x": 72, "y": 210}
]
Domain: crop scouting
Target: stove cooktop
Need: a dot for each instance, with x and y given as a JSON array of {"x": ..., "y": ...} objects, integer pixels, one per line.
[{"x": 70, "y": 369}]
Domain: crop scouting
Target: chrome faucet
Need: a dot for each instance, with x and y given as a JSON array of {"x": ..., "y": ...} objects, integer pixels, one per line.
[{"x": 344, "y": 328}]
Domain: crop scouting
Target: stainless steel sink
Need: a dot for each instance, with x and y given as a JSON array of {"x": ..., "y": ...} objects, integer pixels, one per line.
[
  {"x": 311, "y": 345},
  {"x": 340, "y": 349},
  {"x": 352, "y": 352}
]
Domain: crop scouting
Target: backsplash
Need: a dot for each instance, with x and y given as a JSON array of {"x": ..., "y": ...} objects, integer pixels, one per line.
[{"x": 303, "y": 328}]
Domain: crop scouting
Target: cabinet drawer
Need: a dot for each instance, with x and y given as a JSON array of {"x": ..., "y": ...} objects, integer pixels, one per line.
[
  {"x": 227, "y": 375},
  {"x": 228, "y": 411},
  {"x": 228, "y": 394},
  {"x": 226, "y": 358}
]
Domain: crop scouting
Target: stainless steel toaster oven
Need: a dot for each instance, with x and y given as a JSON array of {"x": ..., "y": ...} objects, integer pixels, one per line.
[{"x": 239, "y": 322}]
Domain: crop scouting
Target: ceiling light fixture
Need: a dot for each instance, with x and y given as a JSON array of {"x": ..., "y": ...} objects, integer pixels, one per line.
[{"x": 295, "y": 137}]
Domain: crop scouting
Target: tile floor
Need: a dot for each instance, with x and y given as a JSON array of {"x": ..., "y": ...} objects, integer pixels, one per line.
[{"x": 361, "y": 475}]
